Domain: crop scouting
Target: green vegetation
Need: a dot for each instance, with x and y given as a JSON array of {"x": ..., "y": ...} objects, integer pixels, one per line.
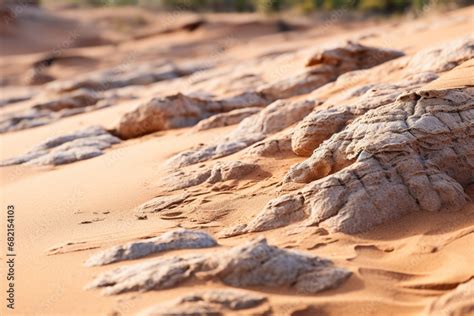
[{"x": 269, "y": 6}]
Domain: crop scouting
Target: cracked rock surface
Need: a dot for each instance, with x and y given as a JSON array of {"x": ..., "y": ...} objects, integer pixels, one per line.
[
  {"x": 172, "y": 240},
  {"x": 415, "y": 154},
  {"x": 419, "y": 69},
  {"x": 254, "y": 263},
  {"x": 213, "y": 302},
  {"x": 83, "y": 144}
]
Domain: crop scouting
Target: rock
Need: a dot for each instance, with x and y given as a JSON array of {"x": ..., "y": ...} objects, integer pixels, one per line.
[
  {"x": 213, "y": 302},
  {"x": 124, "y": 75},
  {"x": 278, "y": 212},
  {"x": 271, "y": 146},
  {"x": 417, "y": 70},
  {"x": 326, "y": 65},
  {"x": 83, "y": 144},
  {"x": 171, "y": 240},
  {"x": 162, "y": 202},
  {"x": 275, "y": 117},
  {"x": 459, "y": 301},
  {"x": 442, "y": 58},
  {"x": 77, "y": 99},
  {"x": 179, "y": 110},
  {"x": 46, "y": 112},
  {"x": 225, "y": 119},
  {"x": 220, "y": 172},
  {"x": 411, "y": 155},
  {"x": 252, "y": 264}
]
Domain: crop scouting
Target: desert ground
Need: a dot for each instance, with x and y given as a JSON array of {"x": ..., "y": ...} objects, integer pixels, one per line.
[{"x": 235, "y": 164}]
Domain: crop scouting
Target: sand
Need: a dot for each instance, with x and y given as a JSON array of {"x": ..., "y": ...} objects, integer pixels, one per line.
[{"x": 398, "y": 268}]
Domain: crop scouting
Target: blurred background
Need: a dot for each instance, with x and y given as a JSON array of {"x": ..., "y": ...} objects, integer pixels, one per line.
[{"x": 266, "y": 6}]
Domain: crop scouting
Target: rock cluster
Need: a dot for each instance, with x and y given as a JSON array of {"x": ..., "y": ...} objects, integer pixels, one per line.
[
  {"x": 125, "y": 75},
  {"x": 275, "y": 117},
  {"x": 171, "y": 240},
  {"x": 182, "y": 110},
  {"x": 252, "y": 264},
  {"x": 83, "y": 144},
  {"x": 414, "y": 154}
]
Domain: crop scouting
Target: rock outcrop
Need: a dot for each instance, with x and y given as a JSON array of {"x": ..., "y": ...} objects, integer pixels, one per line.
[
  {"x": 252, "y": 264},
  {"x": 182, "y": 110},
  {"x": 459, "y": 301},
  {"x": 417, "y": 70},
  {"x": 179, "y": 110},
  {"x": 83, "y": 144},
  {"x": 171, "y": 240},
  {"x": 326, "y": 65},
  {"x": 412, "y": 155},
  {"x": 275, "y": 117},
  {"x": 213, "y": 302},
  {"x": 126, "y": 75},
  {"x": 219, "y": 172}
]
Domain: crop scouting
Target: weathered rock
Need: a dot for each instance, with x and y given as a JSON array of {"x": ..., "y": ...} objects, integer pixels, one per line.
[
  {"x": 46, "y": 112},
  {"x": 179, "y": 111},
  {"x": 442, "y": 58},
  {"x": 278, "y": 212},
  {"x": 326, "y": 65},
  {"x": 252, "y": 264},
  {"x": 457, "y": 302},
  {"x": 417, "y": 70},
  {"x": 219, "y": 172},
  {"x": 226, "y": 119},
  {"x": 411, "y": 155},
  {"x": 77, "y": 99},
  {"x": 171, "y": 240},
  {"x": 271, "y": 146},
  {"x": 125, "y": 75},
  {"x": 83, "y": 144},
  {"x": 275, "y": 117},
  {"x": 214, "y": 302},
  {"x": 162, "y": 202}
]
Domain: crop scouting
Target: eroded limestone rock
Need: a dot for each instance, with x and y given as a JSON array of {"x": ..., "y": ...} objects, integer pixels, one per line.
[
  {"x": 252, "y": 264},
  {"x": 459, "y": 301},
  {"x": 275, "y": 117},
  {"x": 214, "y": 302},
  {"x": 226, "y": 119},
  {"x": 172, "y": 240},
  {"x": 219, "y": 172},
  {"x": 181, "y": 110},
  {"x": 125, "y": 75},
  {"x": 415, "y": 154},
  {"x": 83, "y": 144},
  {"x": 45, "y": 112},
  {"x": 326, "y": 65},
  {"x": 417, "y": 70}
]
